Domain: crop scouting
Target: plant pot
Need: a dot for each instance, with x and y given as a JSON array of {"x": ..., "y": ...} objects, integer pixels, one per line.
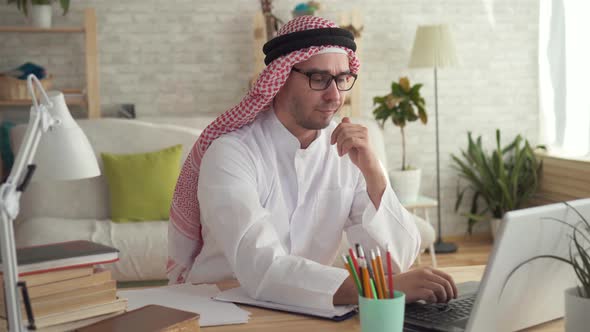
[
  {"x": 577, "y": 308},
  {"x": 495, "y": 226},
  {"x": 406, "y": 184},
  {"x": 41, "y": 16}
]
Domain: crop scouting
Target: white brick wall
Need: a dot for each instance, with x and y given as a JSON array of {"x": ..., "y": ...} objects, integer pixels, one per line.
[{"x": 183, "y": 57}]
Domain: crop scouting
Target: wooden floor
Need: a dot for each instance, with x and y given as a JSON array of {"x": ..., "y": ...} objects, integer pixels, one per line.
[{"x": 472, "y": 250}]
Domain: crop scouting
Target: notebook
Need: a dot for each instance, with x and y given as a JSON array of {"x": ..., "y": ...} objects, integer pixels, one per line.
[
  {"x": 151, "y": 318},
  {"x": 239, "y": 295},
  {"x": 63, "y": 255}
]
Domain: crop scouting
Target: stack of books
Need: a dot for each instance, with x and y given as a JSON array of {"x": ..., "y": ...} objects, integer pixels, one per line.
[{"x": 66, "y": 288}]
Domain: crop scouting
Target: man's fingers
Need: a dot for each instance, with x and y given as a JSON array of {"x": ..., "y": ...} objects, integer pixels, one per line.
[
  {"x": 338, "y": 129},
  {"x": 345, "y": 133},
  {"x": 424, "y": 294},
  {"x": 439, "y": 290},
  {"x": 443, "y": 283},
  {"x": 449, "y": 279},
  {"x": 335, "y": 134},
  {"x": 345, "y": 146},
  {"x": 348, "y": 143}
]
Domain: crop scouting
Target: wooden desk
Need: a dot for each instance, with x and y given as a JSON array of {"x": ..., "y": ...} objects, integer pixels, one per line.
[{"x": 267, "y": 320}]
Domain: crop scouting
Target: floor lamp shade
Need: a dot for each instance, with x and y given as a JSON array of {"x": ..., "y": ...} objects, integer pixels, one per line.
[
  {"x": 64, "y": 153},
  {"x": 434, "y": 48}
]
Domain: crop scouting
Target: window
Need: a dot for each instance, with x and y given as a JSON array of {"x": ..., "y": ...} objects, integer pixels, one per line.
[{"x": 564, "y": 77}]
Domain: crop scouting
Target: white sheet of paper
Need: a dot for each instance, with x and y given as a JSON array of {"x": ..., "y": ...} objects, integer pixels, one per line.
[{"x": 192, "y": 298}]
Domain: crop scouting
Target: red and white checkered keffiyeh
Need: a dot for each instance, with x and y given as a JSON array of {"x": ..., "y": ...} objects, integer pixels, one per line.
[{"x": 185, "y": 240}]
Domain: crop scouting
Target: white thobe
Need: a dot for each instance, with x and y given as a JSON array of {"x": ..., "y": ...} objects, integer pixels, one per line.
[{"x": 273, "y": 215}]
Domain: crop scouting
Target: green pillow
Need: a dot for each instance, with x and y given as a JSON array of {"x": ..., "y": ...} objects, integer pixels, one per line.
[{"x": 141, "y": 185}]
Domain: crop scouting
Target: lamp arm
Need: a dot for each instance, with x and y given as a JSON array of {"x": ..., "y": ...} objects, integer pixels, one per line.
[
  {"x": 40, "y": 121},
  {"x": 9, "y": 270},
  {"x": 27, "y": 149},
  {"x": 10, "y": 192}
]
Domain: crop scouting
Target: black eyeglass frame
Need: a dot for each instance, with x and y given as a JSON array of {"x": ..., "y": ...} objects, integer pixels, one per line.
[{"x": 332, "y": 79}]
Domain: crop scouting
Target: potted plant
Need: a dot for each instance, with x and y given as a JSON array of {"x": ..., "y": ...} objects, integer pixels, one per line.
[
  {"x": 40, "y": 10},
  {"x": 403, "y": 104},
  {"x": 577, "y": 298},
  {"x": 503, "y": 180}
]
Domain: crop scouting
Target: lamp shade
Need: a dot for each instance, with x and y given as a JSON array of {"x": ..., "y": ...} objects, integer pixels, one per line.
[
  {"x": 433, "y": 47},
  {"x": 64, "y": 152}
]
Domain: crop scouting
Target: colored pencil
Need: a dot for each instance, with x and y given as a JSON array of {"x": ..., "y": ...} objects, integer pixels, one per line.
[
  {"x": 373, "y": 289},
  {"x": 352, "y": 271},
  {"x": 368, "y": 265},
  {"x": 366, "y": 279},
  {"x": 378, "y": 287},
  {"x": 390, "y": 272},
  {"x": 346, "y": 265},
  {"x": 381, "y": 273},
  {"x": 354, "y": 261}
]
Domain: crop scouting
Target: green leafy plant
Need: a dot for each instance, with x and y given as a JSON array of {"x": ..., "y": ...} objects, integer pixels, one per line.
[
  {"x": 403, "y": 104},
  {"x": 504, "y": 180},
  {"x": 23, "y": 5},
  {"x": 579, "y": 255}
]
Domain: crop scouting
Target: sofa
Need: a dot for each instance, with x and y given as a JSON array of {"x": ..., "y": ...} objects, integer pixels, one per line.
[
  {"x": 70, "y": 210},
  {"x": 63, "y": 211}
]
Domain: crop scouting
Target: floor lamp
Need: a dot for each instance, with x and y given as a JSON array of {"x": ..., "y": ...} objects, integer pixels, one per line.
[
  {"x": 434, "y": 48},
  {"x": 63, "y": 154}
]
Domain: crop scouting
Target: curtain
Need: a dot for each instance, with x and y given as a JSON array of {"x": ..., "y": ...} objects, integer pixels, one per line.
[{"x": 564, "y": 77}]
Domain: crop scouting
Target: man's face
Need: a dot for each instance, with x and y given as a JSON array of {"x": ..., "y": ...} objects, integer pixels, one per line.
[{"x": 301, "y": 108}]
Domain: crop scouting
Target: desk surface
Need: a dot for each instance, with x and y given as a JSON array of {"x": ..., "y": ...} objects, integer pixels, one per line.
[{"x": 268, "y": 320}]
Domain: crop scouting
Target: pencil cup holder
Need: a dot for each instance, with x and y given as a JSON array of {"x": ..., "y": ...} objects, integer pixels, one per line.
[{"x": 384, "y": 315}]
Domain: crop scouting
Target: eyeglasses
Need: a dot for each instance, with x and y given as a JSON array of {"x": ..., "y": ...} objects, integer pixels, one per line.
[{"x": 321, "y": 81}]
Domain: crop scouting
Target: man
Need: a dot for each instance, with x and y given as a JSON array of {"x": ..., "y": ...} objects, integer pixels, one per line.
[{"x": 280, "y": 182}]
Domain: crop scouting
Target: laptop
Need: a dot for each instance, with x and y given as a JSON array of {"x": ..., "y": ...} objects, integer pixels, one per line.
[{"x": 510, "y": 299}]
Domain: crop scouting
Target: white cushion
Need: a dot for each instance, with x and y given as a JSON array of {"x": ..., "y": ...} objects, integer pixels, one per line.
[{"x": 143, "y": 246}]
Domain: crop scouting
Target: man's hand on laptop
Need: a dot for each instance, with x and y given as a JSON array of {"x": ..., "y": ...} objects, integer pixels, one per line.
[{"x": 427, "y": 284}]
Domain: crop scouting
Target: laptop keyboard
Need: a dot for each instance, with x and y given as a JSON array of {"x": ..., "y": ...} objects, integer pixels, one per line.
[{"x": 441, "y": 313}]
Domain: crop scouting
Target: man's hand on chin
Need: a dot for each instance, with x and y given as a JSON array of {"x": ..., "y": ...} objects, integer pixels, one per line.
[{"x": 353, "y": 139}]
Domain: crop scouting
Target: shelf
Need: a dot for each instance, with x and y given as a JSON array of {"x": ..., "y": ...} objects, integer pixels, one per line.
[
  {"x": 90, "y": 98},
  {"x": 29, "y": 29},
  {"x": 74, "y": 97}
]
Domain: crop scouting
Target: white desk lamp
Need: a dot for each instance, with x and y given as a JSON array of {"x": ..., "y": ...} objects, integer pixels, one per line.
[
  {"x": 434, "y": 48},
  {"x": 64, "y": 154}
]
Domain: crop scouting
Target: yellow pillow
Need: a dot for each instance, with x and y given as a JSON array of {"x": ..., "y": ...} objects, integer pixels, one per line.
[{"x": 141, "y": 185}]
